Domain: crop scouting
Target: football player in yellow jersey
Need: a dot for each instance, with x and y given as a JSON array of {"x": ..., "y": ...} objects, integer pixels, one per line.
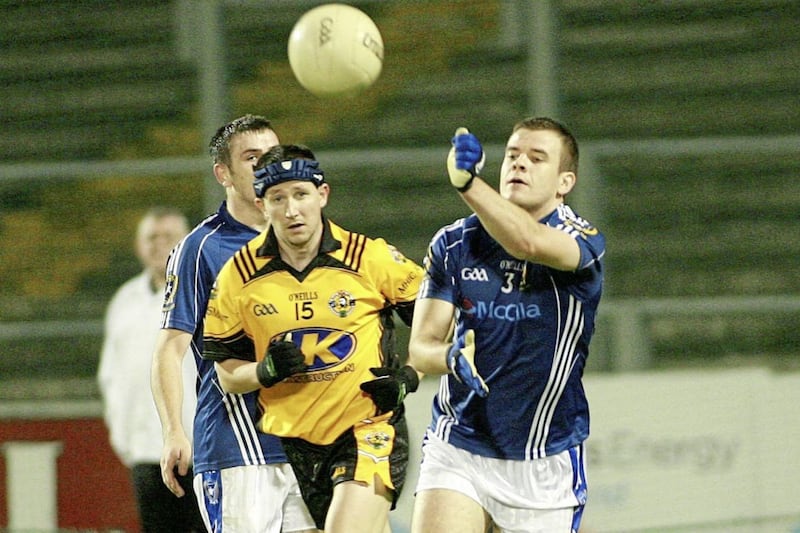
[{"x": 304, "y": 312}]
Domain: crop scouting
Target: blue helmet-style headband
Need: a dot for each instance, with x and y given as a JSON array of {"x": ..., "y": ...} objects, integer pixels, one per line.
[{"x": 296, "y": 169}]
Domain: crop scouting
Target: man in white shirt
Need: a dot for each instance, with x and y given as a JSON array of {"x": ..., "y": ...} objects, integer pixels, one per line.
[{"x": 131, "y": 326}]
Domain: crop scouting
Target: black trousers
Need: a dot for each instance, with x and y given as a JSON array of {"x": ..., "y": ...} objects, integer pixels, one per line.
[{"x": 160, "y": 511}]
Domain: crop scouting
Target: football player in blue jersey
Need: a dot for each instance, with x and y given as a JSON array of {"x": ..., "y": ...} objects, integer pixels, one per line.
[
  {"x": 242, "y": 477},
  {"x": 505, "y": 314}
]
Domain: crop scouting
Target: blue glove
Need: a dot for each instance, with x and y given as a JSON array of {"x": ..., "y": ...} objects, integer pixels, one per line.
[
  {"x": 465, "y": 160},
  {"x": 461, "y": 362}
]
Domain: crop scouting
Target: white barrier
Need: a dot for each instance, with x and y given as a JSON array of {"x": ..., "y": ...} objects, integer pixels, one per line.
[
  {"x": 677, "y": 451},
  {"x": 31, "y": 485},
  {"x": 688, "y": 451}
]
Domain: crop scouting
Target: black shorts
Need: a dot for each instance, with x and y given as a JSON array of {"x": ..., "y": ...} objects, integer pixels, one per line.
[{"x": 319, "y": 468}]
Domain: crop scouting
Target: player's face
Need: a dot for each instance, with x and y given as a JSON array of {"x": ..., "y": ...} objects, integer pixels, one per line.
[
  {"x": 294, "y": 210},
  {"x": 245, "y": 150},
  {"x": 155, "y": 238},
  {"x": 530, "y": 176}
]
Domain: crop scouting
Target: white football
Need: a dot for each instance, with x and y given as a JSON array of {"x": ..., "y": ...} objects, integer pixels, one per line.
[{"x": 335, "y": 50}]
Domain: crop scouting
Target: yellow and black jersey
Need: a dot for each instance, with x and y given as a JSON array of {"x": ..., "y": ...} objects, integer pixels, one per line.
[{"x": 334, "y": 310}]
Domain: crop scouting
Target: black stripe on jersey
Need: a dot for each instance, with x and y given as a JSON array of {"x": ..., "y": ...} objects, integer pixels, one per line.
[
  {"x": 356, "y": 243},
  {"x": 245, "y": 264},
  {"x": 249, "y": 260}
]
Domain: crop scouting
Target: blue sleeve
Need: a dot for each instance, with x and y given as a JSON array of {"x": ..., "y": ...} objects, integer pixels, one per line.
[
  {"x": 185, "y": 301},
  {"x": 439, "y": 280},
  {"x": 589, "y": 275},
  {"x": 593, "y": 249}
]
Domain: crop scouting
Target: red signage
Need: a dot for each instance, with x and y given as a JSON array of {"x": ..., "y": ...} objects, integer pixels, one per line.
[{"x": 93, "y": 487}]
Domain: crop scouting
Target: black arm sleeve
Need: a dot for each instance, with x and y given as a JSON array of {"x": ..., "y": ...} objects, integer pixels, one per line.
[
  {"x": 238, "y": 346},
  {"x": 405, "y": 311}
]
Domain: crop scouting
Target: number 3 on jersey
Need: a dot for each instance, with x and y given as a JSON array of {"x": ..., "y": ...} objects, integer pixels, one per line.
[{"x": 509, "y": 285}]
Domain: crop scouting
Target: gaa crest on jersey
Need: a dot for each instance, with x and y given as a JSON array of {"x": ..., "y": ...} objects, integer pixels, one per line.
[
  {"x": 397, "y": 255},
  {"x": 169, "y": 293},
  {"x": 342, "y": 303},
  {"x": 377, "y": 439}
]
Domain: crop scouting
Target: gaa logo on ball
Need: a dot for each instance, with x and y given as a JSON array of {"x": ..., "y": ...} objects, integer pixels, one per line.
[{"x": 335, "y": 50}]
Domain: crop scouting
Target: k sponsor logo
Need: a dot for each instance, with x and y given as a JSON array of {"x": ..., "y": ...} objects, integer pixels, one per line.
[{"x": 328, "y": 347}]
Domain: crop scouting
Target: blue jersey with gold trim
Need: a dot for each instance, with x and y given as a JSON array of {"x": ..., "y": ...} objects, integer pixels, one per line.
[
  {"x": 532, "y": 330},
  {"x": 225, "y": 432}
]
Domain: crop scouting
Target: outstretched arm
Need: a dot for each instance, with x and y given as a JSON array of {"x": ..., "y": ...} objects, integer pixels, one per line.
[
  {"x": 519, "y": 233},
  {"x": 517, "y": 230}
]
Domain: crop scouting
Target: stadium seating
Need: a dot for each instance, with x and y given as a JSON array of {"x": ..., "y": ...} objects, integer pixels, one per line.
[{"x": 95, "y": 79}]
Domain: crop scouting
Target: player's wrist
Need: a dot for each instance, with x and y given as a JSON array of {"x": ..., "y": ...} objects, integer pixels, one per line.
[
  {"x": 410, "y": 377},
  {"x": 464, "y": 188},
  {"x": 266, "y": 373}
]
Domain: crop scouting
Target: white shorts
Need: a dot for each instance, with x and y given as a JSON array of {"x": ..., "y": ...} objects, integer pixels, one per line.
[
  {"x": 252, "y": 499},
  {"x": 546, "y": 494}
]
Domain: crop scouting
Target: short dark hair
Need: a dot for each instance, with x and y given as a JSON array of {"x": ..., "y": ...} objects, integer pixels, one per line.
[
  {"x": 284, "y": 152},
  {"x": 569, "y": 155},
  {"x": 220, "y": 146}
]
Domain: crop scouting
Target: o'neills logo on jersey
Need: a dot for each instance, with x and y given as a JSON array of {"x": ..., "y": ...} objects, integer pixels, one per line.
[
  {"x": 509, "y": 312},
  {"x": 515, "y": 266},
  {"x": 342, "y": 303}
]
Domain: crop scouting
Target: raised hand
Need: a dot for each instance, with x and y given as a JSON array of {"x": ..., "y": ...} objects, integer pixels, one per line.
[{"x": 465, "y": 160}]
